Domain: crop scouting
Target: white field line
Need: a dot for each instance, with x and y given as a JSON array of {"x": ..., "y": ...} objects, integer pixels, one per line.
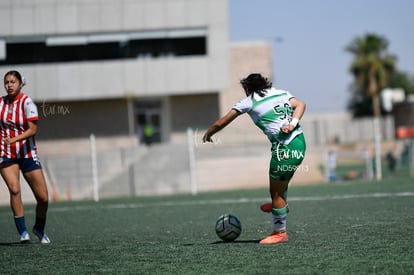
[{"x": 228, "y": 201}]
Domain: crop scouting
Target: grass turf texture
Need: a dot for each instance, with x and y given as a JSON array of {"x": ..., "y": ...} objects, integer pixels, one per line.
[{"x": 341, "y": 228}]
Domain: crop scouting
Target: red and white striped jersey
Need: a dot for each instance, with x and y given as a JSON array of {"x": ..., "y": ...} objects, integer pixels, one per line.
[{"x": 13, "y": 122}]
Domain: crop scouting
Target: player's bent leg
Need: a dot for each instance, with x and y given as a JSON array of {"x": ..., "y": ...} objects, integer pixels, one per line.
[
  {"x": 279, "y": 211},
  {"x": 281, "y": 170},
  {"x": 37, "y": 182},
  {"x": 11, "y": 177},
  {"x": 277, "y": 189},
  {"x": 279, "y": 234}
]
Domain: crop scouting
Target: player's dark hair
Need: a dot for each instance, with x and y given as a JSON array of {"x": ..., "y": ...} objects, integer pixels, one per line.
[
  {"x": 255, "y": 83},
  {"x": 15, "y": 74}
]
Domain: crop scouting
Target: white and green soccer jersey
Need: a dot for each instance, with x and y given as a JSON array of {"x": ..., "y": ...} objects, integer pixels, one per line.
[{"x": 270, "y": 113}]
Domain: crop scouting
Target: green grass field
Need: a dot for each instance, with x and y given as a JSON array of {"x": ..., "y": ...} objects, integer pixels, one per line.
[{"x": 341, "y": 228}]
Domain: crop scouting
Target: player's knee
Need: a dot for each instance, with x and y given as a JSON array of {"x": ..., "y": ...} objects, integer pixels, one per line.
[
  {"x": 14, "y": 191},
  {"x": 43, "y": 199}
]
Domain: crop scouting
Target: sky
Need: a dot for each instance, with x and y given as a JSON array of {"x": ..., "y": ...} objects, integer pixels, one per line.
[{"x": 309, "y": 38}]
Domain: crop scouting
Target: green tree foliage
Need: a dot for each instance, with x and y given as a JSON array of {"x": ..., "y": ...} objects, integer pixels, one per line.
[
  {"x": 372, "y": 67},
  {"x": 359, "y": 104},
  {"x": 401, "y": 80}
]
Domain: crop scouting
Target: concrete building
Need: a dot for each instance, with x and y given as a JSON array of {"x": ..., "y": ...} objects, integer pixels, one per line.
[{"x": 110, "y": 67}]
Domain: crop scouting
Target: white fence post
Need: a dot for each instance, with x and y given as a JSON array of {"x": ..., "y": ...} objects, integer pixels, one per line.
[
  {"x": 377, "y": 143},
  {"x": 191, "y": 156},
  {"x": 411, "y": 158},
  {"x": 94, "y": 168}
]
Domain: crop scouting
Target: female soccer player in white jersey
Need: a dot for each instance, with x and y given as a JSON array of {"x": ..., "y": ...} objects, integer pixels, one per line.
[
  {"x": 276, "y": 113},
  {"x": 18, "y": 127}
]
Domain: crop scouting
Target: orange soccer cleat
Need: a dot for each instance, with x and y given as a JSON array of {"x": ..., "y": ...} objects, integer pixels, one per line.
[
  {"x": 266, "y": 207},
  {"x": 275, "y": 237}
]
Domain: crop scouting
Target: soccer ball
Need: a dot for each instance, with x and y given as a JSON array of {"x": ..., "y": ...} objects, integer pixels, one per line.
[{"x": 228, "y": 227}]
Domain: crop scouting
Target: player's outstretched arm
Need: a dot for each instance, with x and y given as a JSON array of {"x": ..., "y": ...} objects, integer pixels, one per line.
[{"x": 220, "y": 124}]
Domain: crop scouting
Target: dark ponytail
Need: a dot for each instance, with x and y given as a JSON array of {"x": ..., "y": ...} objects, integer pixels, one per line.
[{"x": 256, "y": 83}]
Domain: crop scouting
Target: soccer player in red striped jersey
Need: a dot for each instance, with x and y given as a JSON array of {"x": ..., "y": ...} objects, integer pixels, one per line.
[{"x": 18, "y": 127}]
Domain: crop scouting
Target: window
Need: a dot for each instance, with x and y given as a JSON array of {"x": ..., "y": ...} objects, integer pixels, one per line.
[{"x": 104, "y": 47}]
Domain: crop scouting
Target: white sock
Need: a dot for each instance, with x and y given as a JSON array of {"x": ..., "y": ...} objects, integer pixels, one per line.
[{"x": 279, "y": 218}]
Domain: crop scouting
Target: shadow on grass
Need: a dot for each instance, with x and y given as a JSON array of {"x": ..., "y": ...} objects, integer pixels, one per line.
[{"x": 236, "y": 241}]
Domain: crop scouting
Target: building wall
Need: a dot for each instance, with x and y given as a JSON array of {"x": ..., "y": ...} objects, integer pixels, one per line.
[
  {"x": 404, "y": 119},
  {"x": 59, "y": 120},
  {"x": 245, "y": 58},
  {"x": 193, "y": 111},
  {"x": 341, "y": 128},
  {"x": 109, "y": 117},
  {"x": 179, "y": 112},
  {"x": 96, "y": 93},
  {"x": 138, "y": 77}
]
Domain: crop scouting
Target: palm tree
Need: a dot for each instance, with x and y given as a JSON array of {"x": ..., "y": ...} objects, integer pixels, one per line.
[{"x": 371, "y": 67}]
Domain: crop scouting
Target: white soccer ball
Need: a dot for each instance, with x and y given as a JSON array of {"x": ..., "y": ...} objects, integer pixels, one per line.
[{"x": 228, "y": 227}]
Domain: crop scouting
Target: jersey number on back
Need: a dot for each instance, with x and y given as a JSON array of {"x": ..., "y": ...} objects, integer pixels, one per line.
[{"x": 283, "y": 111}]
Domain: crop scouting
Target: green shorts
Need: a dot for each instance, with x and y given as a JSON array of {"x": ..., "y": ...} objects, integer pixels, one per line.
[{"x": 287, "y": 158}]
